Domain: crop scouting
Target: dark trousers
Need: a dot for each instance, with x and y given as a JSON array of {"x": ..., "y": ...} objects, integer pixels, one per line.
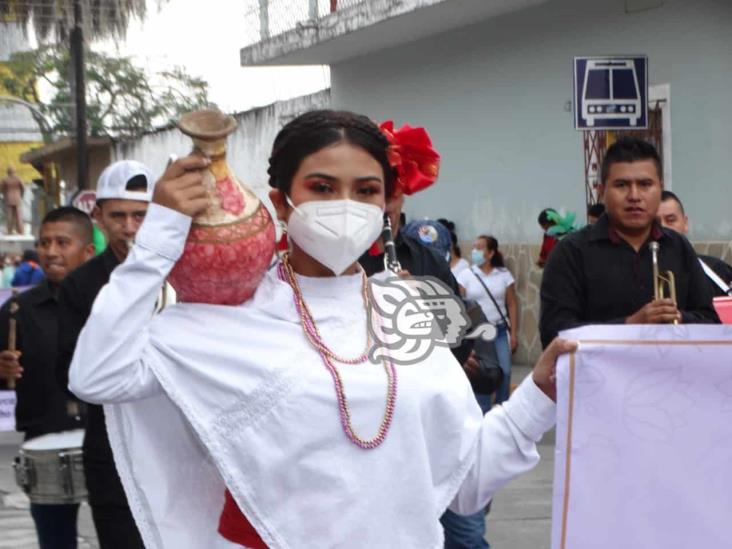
[
  {"x": 116, "y": 529},
  {"x": 55, "y": 525}
]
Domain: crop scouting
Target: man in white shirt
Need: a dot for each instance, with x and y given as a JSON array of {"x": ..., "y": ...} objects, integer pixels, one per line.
[{"x": 124, "y": 191}]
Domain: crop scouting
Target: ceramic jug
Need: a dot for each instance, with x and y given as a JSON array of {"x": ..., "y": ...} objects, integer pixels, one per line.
[{"x": 231, "y": 244}]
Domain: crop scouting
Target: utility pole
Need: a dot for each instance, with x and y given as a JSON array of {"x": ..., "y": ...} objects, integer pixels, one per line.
[{"x": 77, "y": 60}]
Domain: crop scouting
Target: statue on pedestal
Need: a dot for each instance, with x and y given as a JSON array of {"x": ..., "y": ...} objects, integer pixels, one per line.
[{"x": 12, "y": 190}]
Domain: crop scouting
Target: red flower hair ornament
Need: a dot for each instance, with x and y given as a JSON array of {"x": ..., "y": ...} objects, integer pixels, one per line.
[{"x": 411, "y": 154}]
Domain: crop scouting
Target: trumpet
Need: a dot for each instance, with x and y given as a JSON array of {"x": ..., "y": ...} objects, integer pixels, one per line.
[{"x": 664, "y": 283}]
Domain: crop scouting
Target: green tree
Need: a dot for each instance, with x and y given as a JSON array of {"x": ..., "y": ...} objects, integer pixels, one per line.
[
  {"x": 52, "y": 19},
  {"x": 123, "y": 100}
]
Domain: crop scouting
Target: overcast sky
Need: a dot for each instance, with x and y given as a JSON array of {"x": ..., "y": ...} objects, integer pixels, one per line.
[{"x": 205, "y": 37}]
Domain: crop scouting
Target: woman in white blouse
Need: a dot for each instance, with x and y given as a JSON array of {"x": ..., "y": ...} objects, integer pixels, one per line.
[
  {"x": 272, "y": 402},
  {"x": 492, "y": 285}
]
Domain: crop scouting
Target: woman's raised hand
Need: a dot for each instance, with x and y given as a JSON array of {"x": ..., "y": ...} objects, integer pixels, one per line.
[
  {"x": 181, "y": 186},
  {"x": 545, "y": 371}
]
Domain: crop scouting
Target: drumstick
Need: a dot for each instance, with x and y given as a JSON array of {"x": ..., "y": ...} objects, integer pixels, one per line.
[{"x": 13, "y": 332}]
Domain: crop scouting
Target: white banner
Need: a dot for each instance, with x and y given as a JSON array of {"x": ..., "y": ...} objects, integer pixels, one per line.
[
  {"x": 7, "y": 410},
  {"x": 644, "y": 439}
]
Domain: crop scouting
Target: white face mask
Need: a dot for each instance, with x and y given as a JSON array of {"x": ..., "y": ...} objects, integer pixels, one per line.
[{"x": 335, "y": 232}]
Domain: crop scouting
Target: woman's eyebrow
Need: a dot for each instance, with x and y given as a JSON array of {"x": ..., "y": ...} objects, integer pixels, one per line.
[
  {"x": 321, "y": 176},
  {"x": 365, "y": 178}
]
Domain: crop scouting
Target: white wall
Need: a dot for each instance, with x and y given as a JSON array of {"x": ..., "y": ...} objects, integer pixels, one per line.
[
  {"x": 493, "y": 97},
  {"x": 12, "y": 39},
  {"x": 249, "y": 146}
]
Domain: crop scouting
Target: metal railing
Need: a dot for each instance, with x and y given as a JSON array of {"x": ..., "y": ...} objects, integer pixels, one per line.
[{"x": 268, "y": 18}]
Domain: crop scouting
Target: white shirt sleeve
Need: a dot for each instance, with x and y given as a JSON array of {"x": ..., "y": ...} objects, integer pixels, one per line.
[
  {"x": 109, "y": 364},
  {"x": 460, "y": 277},
  {"x": 508, "y": 278},
  {"x": 459, "y": 267},
  {"x": 507, "y": 445}
]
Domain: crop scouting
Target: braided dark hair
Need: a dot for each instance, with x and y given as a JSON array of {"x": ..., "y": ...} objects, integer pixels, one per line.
[{"x": 315, "y": 130}]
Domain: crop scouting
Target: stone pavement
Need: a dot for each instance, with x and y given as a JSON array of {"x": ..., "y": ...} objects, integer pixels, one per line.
[
  {"x": 521, "y": 512},
  {"x": 520, "y": 517}
]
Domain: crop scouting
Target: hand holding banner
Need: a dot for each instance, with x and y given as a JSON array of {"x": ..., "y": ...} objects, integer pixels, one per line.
[{"x": 644, "y": 424}]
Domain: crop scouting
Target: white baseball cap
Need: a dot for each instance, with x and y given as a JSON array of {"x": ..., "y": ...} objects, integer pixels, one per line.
[{"x": 114, "y": 181}]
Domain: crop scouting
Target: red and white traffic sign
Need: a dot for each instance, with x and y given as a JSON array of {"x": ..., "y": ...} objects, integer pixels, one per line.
[{"x": 85, "y": 200}]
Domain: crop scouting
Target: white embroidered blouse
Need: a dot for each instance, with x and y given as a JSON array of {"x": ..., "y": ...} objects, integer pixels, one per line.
[{"x": 203, "y": 397}]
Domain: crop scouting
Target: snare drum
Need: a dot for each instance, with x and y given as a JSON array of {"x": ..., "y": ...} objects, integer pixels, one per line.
[{"x": 50, "y": 470}]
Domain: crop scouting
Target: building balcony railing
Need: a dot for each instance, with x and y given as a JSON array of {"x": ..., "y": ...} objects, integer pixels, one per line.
[
  {"x": 269, "y": 18},
  {"x": 328, "y": 31}
]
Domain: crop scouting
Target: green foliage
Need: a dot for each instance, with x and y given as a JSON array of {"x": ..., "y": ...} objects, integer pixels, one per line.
[
  {"x": 52, "y": 19},
  {"x": 123, "y": 100}
]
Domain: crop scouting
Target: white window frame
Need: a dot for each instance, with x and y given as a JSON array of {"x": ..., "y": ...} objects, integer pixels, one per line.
[{"x": 662, "y": 93}]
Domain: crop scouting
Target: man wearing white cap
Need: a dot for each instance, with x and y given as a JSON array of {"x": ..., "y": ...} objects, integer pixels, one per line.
[{"x": 124, "y": 191}]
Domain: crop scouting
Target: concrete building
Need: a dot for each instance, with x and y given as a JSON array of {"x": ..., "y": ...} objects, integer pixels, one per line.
[
  {"x": 492, "y": 81},
  {"x": 248, "y": 147},
  {"x": 19, "y": 131}
]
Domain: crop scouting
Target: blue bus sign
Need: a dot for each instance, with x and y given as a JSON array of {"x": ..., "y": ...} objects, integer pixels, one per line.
[{"x": 611, "y": 93}]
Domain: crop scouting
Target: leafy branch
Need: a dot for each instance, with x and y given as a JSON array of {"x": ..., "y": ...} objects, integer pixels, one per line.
[{"x": 123, "y": 99}]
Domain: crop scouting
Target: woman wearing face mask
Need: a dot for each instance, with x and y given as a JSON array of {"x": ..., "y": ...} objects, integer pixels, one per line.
[
  {"x": 491, "y": 284},
  {"x": 270, "y": 410}
]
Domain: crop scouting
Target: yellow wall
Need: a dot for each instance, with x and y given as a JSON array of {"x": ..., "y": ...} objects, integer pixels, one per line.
[
  {"x": 10, "y": 151},
  {"x": 10, "y": 156}
]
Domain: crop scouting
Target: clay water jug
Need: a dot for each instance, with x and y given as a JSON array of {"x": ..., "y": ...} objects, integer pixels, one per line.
[{"x": 231, "y": 244}]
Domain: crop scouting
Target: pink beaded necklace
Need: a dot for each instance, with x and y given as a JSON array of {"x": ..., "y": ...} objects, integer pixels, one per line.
[{"x": 285, "y": 273}]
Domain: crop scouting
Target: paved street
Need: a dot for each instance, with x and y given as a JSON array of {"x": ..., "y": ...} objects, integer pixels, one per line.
[{"x": 520, "y": 517}]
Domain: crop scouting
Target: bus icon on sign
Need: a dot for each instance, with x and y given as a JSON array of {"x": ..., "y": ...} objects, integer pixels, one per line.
[{"x": 610, "y": 92}]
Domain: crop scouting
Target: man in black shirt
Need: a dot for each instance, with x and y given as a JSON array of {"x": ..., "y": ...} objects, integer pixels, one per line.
[
  {"x": 603, "y": 273},
  {"x": 123, "y": 192},
  {"x": 64, "y": 243},
  {"x": 414, "y": 257},
  {"x": 672, "y": 216}
]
